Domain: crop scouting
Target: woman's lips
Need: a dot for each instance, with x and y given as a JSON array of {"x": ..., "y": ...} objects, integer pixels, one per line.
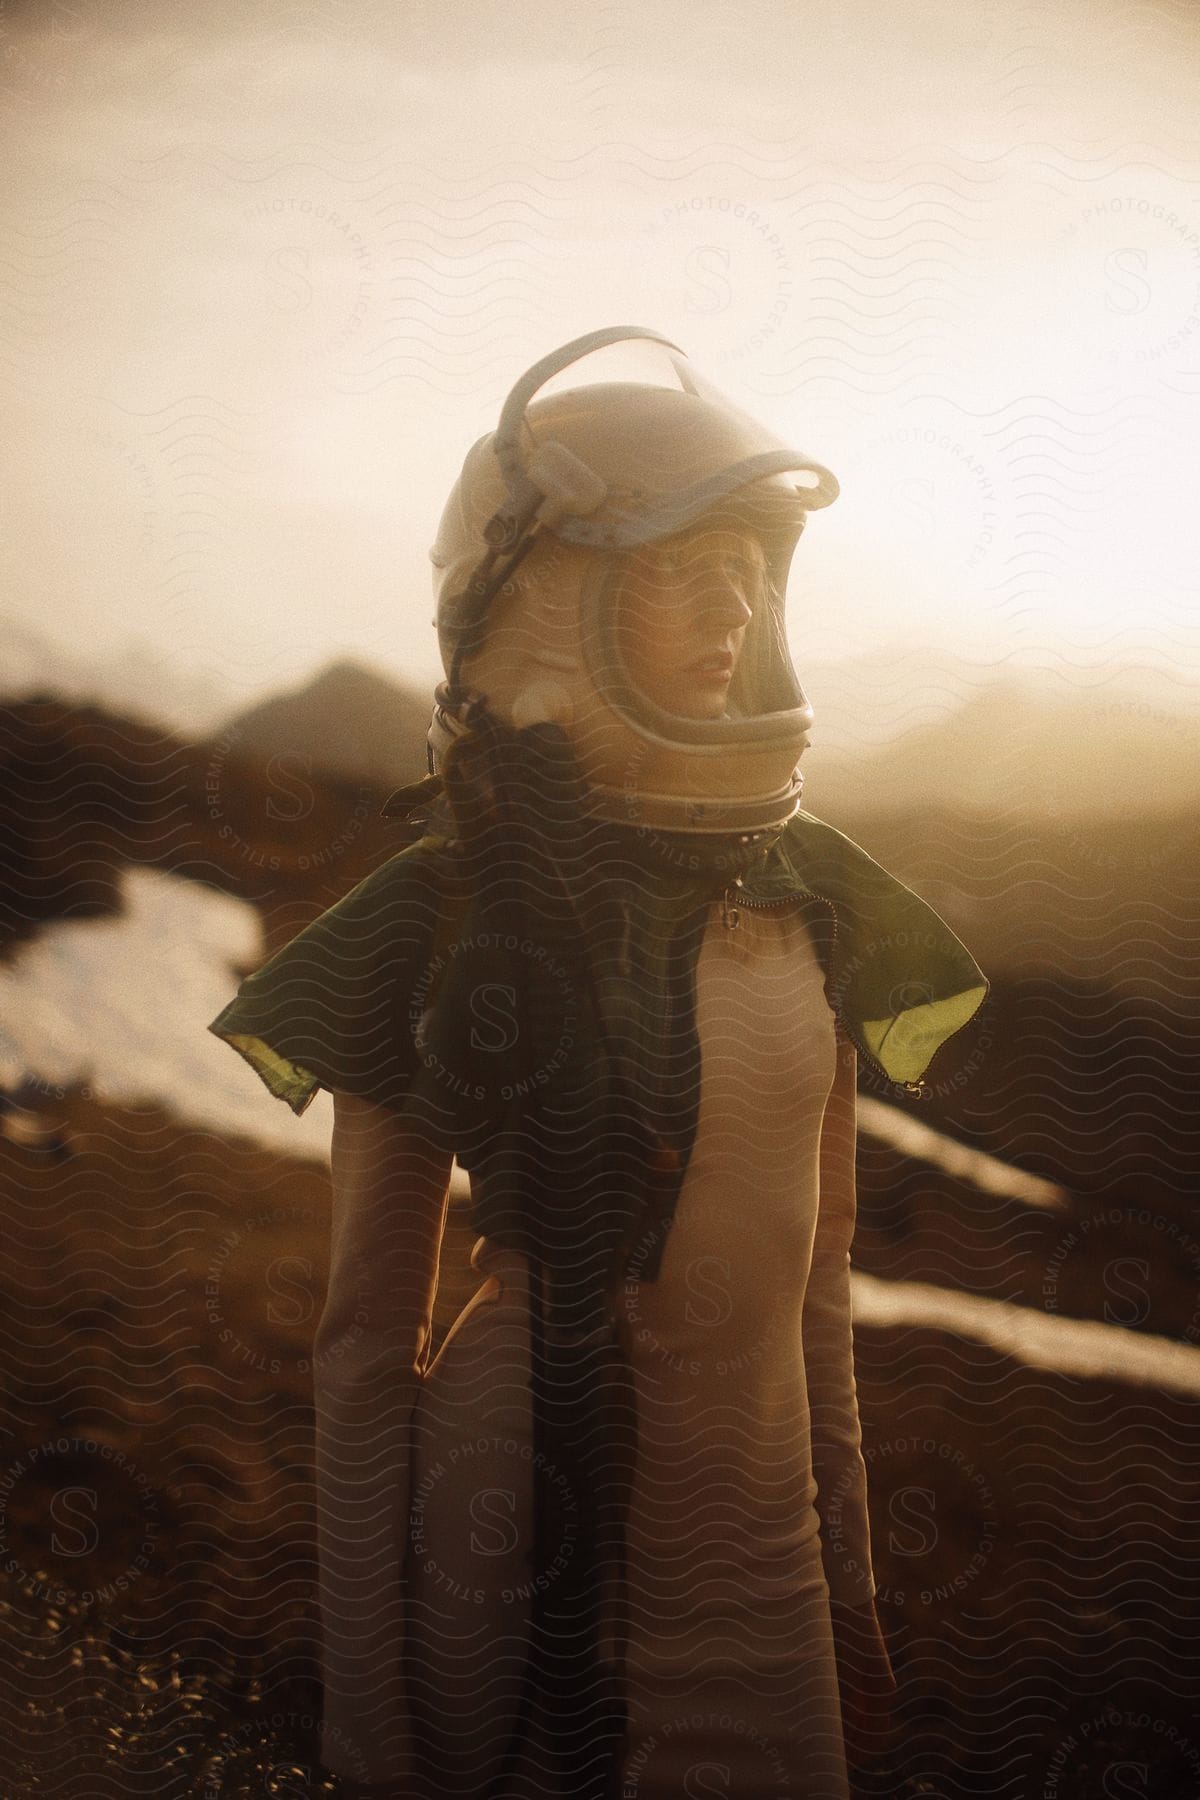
[{"x": 719, "y": 663}]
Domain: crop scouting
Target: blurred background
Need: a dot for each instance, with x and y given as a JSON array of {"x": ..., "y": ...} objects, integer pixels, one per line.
[{"x": 266, "y": 272}]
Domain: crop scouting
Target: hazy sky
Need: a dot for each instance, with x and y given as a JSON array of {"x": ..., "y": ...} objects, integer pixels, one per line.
[{"x": 266, "y": 271}]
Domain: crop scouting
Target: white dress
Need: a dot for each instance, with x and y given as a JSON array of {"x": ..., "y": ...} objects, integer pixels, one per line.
[{"x": 742, "y": 1363}]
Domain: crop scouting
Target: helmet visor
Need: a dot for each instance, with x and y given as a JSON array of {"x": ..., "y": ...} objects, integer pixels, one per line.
[
  {"x": 686, "y": 637},
  {"x": 630, "y": 443}
]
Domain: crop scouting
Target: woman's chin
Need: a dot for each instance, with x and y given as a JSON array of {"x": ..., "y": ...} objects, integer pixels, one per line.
[
  {"x": 694, "y": 709},
  {"x": 710, "y": 706},
  {"x": 701, "y": 700}
]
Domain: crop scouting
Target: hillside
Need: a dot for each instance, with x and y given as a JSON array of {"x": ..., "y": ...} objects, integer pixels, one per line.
[{"x": 1029, "y": 1517}]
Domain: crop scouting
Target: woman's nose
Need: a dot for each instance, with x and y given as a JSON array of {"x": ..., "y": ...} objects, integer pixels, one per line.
[{"x": 727, "y": 610}]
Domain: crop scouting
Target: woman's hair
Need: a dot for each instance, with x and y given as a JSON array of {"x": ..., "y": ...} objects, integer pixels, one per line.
[{"x": 756, "y": 684}]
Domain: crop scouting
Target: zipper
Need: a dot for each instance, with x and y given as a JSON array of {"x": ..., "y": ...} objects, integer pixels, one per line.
[{"x": 730, "y": 909}]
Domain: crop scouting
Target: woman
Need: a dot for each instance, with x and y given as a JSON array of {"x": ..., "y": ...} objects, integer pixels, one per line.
[{"x": 614, "y": 1540}]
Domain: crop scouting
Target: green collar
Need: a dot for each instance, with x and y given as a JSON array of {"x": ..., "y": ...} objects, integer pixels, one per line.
[{"x": 899, "y": 979}]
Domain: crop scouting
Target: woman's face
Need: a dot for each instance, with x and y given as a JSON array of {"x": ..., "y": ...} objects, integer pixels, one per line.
[{"x": 686, "y": 603}]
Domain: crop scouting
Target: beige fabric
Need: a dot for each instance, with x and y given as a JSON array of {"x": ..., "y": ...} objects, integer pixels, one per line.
[
  {"x": 369, "y": 1349},
  {"x": 742, "y": 1343},
  {"x": 742, "y": 1359}
]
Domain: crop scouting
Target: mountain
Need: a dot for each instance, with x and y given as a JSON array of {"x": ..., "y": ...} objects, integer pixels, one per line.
[
  {"x": 1016, "y": 743},
  {"x": 898, "y": 725},
  {"x": 349, "y": 720},
  {"x": 891, "y": 733},
  {"x": 134, "y": 681}
]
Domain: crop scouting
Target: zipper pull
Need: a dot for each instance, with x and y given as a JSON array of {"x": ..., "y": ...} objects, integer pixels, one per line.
[{"x": 729, "y": 912}]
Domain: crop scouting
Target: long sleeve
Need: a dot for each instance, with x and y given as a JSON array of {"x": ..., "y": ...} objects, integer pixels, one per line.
[
  {"x": 838, "y": 1464},
  {"x": 389, "y": 1208}
]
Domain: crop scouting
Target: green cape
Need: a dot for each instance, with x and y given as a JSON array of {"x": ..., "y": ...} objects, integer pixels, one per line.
[{"x": 487, "y": 1023}]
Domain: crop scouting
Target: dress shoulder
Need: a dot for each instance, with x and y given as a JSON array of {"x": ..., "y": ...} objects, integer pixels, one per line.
[
  {"x": 331, "y": 1008},
  {"x": 899, "y": 978}
]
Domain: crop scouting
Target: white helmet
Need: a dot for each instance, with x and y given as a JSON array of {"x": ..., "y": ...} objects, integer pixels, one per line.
[{"x": 586, "y": 475}]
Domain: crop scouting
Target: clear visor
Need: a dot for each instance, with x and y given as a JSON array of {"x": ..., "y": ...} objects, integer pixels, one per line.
[
  {"x": 686, "y": 637},
  {"x": 628, "y": 442}
]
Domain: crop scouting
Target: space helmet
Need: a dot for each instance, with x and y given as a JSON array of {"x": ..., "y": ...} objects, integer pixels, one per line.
[{"x": 631, "y": 456}]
